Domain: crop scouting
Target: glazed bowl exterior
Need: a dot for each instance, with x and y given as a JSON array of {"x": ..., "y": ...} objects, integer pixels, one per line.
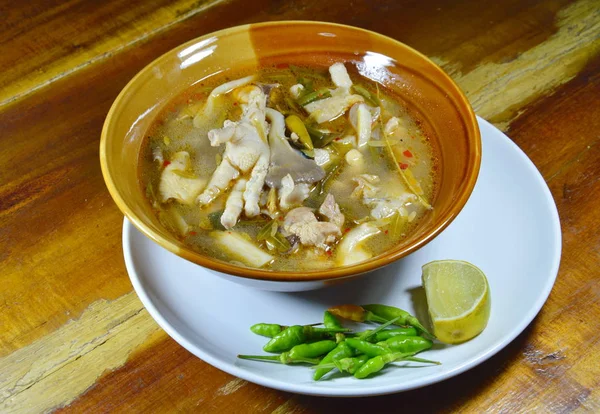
[{"x": 441, "y": 108}]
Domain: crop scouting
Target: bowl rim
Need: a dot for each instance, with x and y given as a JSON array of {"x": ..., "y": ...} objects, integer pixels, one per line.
[{"x": 379, "y": 261}]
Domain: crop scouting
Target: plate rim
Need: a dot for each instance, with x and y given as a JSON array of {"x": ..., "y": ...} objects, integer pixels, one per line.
[{"x": 328, "y": 391}]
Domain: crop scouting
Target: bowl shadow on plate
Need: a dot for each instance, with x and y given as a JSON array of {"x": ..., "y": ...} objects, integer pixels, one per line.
[
  {"x": 449, "y": 393},
  {"x": 419, "y": 302},
  {"x": 335, "y": 374},
  {"x": 363, "y": 289}
]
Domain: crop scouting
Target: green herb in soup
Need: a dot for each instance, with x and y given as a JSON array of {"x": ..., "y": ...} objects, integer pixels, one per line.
[{"x": 289, "y": 169}]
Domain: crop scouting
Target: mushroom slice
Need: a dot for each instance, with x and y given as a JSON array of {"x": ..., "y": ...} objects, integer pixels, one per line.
[{"x": 286, "y": 160}]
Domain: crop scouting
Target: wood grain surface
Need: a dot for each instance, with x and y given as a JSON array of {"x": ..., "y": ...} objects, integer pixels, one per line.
[{"x": 73, "y": 335}]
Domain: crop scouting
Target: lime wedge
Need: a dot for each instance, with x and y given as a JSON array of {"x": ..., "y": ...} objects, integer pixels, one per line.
[{"x": 458, "y": 297}]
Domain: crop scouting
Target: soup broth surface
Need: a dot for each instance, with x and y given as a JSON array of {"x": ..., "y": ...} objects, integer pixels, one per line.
[{"x": 369, "y": 165}]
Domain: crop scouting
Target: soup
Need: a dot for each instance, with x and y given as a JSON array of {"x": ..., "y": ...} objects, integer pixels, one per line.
[{"x": 295, "y": 168}]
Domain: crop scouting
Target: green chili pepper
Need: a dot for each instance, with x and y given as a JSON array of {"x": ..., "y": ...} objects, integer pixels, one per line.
[
  {"x": 295, "y": 124},
  {"x": 312, "y": 350},
  {"x": 349, "y": 364},
  {"x": 356, "y": 313},
  {"x": 369, "y": 97},
  {"x": 293, "y": 106},
  {"x": 413, "y": 344},
  {"x": 367, "y": 348},
  {"x": 390, "y": 333},
  {"x": 314, "y": 96},
  {"x": 271, "y": 329},
  {"x": 330, "y": 321},
  {"x": 267, "y": 329},
  {"x": 389, "y": 312},
  {"x": 342, "y": 350},
  {"x": 319, "y": 138},
  {"x": 300, "y": 353},
  {"x": 377, "y": 363},
  {"x": 307, "y": 84},
  {"x": 296, "y": 335}
]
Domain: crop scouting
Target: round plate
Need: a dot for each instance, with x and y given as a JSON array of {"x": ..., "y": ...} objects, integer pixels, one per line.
[{"x": 509, "y": 228}]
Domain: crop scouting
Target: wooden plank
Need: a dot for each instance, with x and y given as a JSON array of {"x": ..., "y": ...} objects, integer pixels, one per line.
[
  {"x": 140, "y": 384},
  {"x": 56, "y": 369},
  {"x": 43, "y": 41}
]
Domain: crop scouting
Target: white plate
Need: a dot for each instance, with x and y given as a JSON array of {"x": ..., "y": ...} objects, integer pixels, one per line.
[{"x": 509, "y": 228}]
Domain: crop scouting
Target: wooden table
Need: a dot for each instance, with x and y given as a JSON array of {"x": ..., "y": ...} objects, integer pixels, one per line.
[{"x": 73, "y": 334}]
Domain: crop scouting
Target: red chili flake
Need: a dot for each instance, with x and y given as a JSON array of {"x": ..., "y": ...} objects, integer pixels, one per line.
[
  {"x": 280, "y": 218},
  {"x": 282, "y": 66},
  {"x": 166, "y": 163},
  {"x": 403, "y": 166},
  {"x": 407, "y": 154},
  {"x": 337, "y": 139},
  {"x": 235, "y": 104},
  {"x": 346, "y": 230},
  {"x": 328, "y": 252},
  {"x": 192, "y": 233},
  {"x": 386, "y": 232}
]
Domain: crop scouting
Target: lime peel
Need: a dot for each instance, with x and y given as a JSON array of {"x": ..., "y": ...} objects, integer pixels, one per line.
[{"x": 458, "y": 298}]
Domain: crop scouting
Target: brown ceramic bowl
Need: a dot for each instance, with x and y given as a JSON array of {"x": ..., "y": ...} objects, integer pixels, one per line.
[{"x": 444, "y": 111}]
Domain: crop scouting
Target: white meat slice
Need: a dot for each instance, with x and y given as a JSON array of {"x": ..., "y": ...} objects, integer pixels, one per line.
[
  {"x": 302, "y": 222},
  {"x": 395, "y": 126},
  {"x": 365, "y": 186},
  {"x": 299, "y": 216},
  {"x": 330, "y": 108},
  {"x": 176, "y": 186},
  {"x": 339, "y": 75},
  {"x": 234, "y": 205},
  {"x": 350, "y": 250},
  {"x": 387, "y": 207},
  {"x": 290, "y": 194},
  {"x": 362, "y": 122},
  {"x": 331, "y": 210},
  {"x": 374, "y": 111},
  {"x": 382, "y": 206}
]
